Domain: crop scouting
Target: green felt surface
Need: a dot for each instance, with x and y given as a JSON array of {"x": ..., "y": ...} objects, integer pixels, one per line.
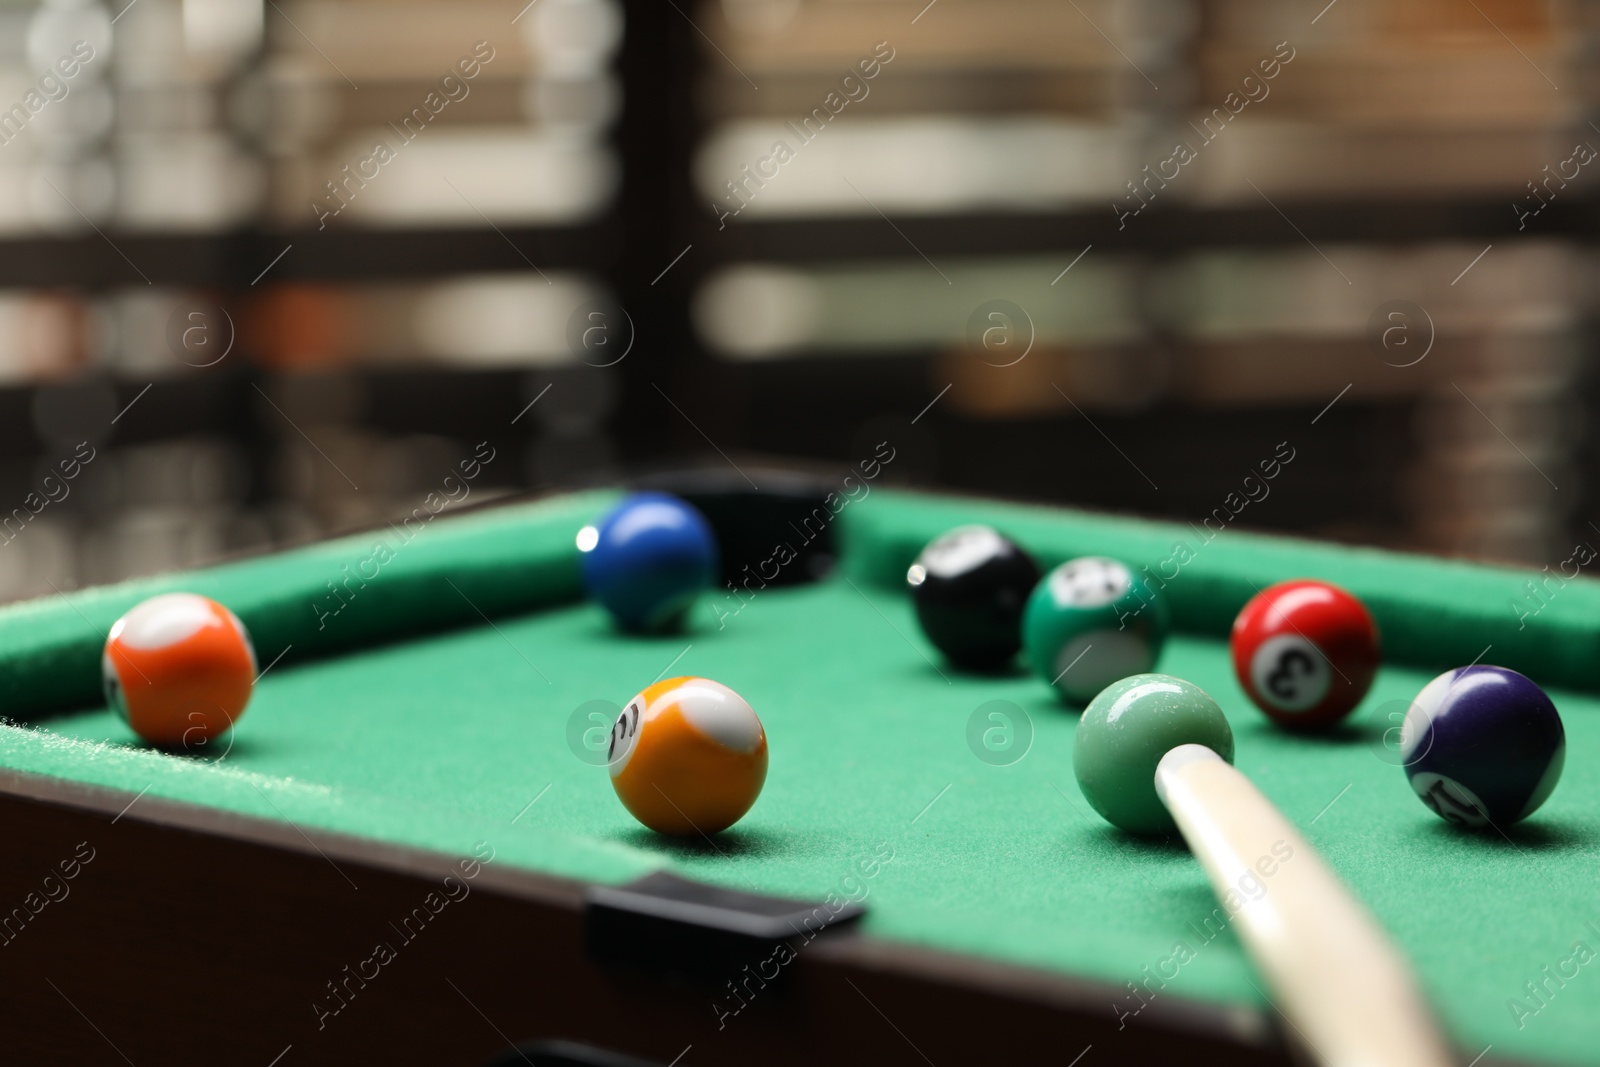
[{"x": 444, "y": 739}]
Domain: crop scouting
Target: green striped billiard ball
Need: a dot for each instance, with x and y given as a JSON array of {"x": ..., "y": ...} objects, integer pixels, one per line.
[
  {"x": 1090, "y": 622},
  {"x": 1122, "y": 736}
]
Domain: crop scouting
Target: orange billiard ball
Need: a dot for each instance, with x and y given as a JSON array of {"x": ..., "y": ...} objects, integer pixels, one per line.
[
  {"x": 688, "y": 756},
  {"x": 179, "y": 669}
]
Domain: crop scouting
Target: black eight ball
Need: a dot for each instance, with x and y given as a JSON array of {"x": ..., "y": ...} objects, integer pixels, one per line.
[{"x": 970, "y": 586}]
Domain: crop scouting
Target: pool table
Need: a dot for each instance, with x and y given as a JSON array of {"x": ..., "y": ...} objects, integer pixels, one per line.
[{"x": 407, "y": 851}]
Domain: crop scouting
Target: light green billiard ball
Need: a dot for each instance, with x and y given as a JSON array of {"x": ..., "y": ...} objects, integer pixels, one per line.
[
  {"x": 1090, "y": 622},
  {"x": 1124, "y": 733}
]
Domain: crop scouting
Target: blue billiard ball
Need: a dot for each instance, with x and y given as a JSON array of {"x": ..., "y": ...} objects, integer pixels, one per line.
[
  {"x": 647, "y": 560},
  {"x": 1482, "y": 745}
]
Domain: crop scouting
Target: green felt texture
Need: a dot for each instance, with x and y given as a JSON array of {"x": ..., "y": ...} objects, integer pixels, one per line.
[
  {"x": 449, "y": 738},
  {"x": 338, "y": 594},
  {"x": 1430, "y": 611}
]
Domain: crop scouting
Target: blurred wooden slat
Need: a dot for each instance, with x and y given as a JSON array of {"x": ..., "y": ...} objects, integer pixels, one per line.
[
  {"x": 949, "y": 35},
  {"x": 392, "y": 39}
]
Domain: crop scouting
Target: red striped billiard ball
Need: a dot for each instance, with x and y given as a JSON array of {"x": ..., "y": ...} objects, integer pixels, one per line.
[
  {"x": 1305, "y": 652},
  {"x": 179, "y": 669}
]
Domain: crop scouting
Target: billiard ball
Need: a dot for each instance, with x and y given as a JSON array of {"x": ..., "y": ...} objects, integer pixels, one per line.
[
  {"x": 687, "y": 756},
  {"x": 179, "y": 669},
  {"x": 648, "y": 560},
  {"x": 1090, "y": 622},
  {"x": 1482, "y": 745},
  {"x": 969, "y": 587},
  {"x": 1123, "y": 734},
  {"x": 1305, "y": 652}
]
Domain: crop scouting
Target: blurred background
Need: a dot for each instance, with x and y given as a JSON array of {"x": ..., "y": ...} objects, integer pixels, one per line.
[{"x": 271, "y": 269}]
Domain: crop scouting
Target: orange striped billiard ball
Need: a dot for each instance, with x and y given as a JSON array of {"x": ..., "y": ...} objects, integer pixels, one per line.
[
  {"x": 179, "y": 669},
  {"x": 688, "y": 756}
]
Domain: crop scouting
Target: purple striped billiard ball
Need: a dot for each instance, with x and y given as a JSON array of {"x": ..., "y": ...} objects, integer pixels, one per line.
[{"x": 1482, "y": 745}]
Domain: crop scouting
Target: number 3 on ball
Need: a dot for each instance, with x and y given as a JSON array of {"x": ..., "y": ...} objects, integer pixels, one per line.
[{"x": 1290, "y": 673}]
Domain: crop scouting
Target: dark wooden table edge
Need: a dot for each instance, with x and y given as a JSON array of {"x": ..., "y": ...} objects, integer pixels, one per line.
[{"x": 876, "y": 969}]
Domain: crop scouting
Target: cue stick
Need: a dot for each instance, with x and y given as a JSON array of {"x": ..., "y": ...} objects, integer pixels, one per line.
[{"x": 1339, "y": 981}]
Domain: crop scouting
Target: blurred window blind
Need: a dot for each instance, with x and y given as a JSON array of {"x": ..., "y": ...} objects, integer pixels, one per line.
[
  {"x": 1235, "y": 166},
  {"x": 282, "y": 264}
]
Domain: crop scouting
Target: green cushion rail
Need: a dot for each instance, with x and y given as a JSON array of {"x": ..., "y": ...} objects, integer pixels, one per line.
[
  {"x": 433, "y": 573},
  {"x": 1432, "y": 612},
  {"x": 511, "y": 559}
]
